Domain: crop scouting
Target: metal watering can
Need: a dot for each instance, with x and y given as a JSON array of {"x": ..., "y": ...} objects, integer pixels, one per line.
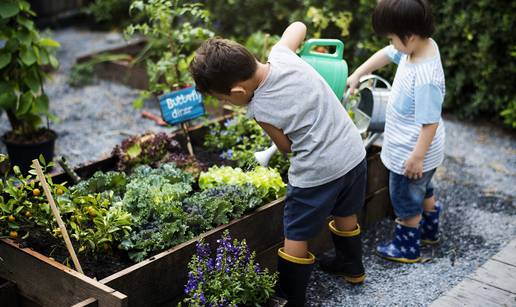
[{"x": 370, "y": 106}]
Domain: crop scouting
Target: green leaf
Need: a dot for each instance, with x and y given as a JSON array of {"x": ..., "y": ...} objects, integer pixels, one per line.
[
  {"x": 8, "y": 9},
  {"x": 134, "y": 151},
  {"x": 25, "y": 103},
  {"x": 41, "y": 159},
  {"x": 24, "y": 37},
  {"x": 7, "y": 100},
  {"x": 47, "y": 42},
  {"x": 43, "y": 57},
  {"x": 40, "y": 106},
  {"x": 28, "y": 56},
  {"x": 32, "y": 81},
  {"x": 27, "y": 23},
  {"x": 53, "y": 61},
  {"x": 5, "y": 59}
]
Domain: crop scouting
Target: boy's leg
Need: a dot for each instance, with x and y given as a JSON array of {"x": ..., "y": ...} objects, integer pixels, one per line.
[
  {"x": 345, "y": 230},
  {"x": 296, "y": 248},
  {"x": 346, "y": 223},
  {"x": 430, "y": 222},
  {"x": 407, "y": 197},
  {"x": 304, "y": 216},
  {"x": 412, "y": 221},
  {"x": 429, "y": 204}
]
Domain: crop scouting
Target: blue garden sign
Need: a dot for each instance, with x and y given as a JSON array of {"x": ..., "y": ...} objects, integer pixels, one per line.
[{"x": 182, "y": 105}]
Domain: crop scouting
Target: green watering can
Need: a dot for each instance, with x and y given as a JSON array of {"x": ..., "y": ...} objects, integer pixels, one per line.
[{"x": 331, "y": 66}]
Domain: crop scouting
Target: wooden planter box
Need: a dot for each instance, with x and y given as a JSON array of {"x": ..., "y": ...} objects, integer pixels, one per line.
[{"x": 160, "y": 280}]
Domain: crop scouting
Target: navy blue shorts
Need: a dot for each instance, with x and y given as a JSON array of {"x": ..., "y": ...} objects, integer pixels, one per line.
[
  {"x": 307, "y": 209},
  {"x": 407, "y": 195}
]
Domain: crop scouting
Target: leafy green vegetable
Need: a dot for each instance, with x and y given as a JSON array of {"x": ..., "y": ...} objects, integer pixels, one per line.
[
  {"x": 154, "y": 198},
  {"x": 218, "y": 205},
  {"x": 238, "y": 139},
  {"x": 102, "y": 182},
  {"x": 268, "y": 181}
]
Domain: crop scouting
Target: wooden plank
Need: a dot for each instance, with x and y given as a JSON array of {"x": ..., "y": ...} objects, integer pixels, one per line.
[
  {"x": 474, "y": 293},
  {"x": 134, "y": 76},
  {"x": 91, "y": 302},
  {"x": 8, "y": 295},
  {"x": 377, "y": 207},
  {"x": 377, "y": 174},
  {"x": 497, "y": 274},
  {"x": 50, "y": 283},
  {"x": 507, "y": 254},
  {"x": 132, "y": 47},
  {"x": 162, "y": 277}
]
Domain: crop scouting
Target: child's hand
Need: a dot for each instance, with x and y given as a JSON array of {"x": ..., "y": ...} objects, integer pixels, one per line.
[
  {"x": 414, "y": 167},
  {"x": 352, "y": 83}
]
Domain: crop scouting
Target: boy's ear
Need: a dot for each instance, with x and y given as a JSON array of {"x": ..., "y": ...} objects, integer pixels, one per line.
[{"x": 238, "y": 90}]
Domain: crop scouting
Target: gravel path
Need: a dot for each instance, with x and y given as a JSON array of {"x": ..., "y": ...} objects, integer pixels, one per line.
[
  {"x": 94, "y": 118},
  {"x": 476, "y": 183}
]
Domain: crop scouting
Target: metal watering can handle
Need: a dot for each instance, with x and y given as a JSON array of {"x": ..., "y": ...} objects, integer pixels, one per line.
[
  {"x": 314, "y": 42},
  {"x": 375, "y": 79}
]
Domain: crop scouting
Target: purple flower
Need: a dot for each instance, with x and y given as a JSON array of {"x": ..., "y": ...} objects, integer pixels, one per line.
[
  {"x": 191, "y": 284},
  {"x": 229, "y": 122},
  {"x": 203, "y": 250}
]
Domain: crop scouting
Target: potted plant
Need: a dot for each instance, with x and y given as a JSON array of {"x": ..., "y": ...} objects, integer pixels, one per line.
[
  {"x": 231, "y": 278},
  {"x": 174, "y": 29},
  {"x": 23, "y": 54}
]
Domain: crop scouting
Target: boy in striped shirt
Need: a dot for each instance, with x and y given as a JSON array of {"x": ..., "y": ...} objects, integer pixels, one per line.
[{"x": 414, "y": 132}]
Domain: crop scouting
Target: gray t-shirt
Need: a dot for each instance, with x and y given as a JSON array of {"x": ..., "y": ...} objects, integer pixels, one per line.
[{"x": 295, "y": 98}]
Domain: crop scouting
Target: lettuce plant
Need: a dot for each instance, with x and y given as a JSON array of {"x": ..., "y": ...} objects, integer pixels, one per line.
[{"x": 268, "y": 181}]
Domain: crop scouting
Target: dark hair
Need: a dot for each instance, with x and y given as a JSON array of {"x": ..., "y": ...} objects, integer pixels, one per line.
[
  {"x": 403, "y": 18},
  {"x": 219, "y": 64}
]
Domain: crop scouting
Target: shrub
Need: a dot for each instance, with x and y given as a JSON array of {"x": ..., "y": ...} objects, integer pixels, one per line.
[{"x": 475, "y": 38}]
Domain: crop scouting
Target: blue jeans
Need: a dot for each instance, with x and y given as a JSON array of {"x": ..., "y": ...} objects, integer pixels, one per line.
[{"x": 407, "y": 195}]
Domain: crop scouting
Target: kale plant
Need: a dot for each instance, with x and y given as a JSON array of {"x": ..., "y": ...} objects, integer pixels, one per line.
[{"x": 219, "y": 205}]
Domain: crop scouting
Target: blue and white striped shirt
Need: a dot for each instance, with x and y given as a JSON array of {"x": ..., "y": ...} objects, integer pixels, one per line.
[{"x": 416, "y": 98}]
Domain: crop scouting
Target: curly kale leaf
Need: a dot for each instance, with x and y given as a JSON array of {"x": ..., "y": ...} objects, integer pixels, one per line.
[
  {"x": 101, "y": 182},
  {"x": 218, "y": 205},
  {"x": 169, "y": 171}
]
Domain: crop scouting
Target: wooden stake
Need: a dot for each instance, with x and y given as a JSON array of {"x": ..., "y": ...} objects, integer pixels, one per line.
[
  {"x": 55, "y": 211},
  {"x": 188, "y": 141}
]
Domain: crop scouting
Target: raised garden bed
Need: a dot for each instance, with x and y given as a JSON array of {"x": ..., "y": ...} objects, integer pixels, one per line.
[
  {"x": 121, "y": 71},
  {"x": 160, "y": 279}
]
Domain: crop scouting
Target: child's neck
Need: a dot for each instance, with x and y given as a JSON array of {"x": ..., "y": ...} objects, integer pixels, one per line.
[
  {"x": 260, "y": 75},
  {"x": 423, "y": 49}
]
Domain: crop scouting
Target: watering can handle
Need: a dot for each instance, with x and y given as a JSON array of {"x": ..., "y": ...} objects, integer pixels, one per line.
[
  {"x": 309, "y": 44},
  {"x": 375, "y": 79}
]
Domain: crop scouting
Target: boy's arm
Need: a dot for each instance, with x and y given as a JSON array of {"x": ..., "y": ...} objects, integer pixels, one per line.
[
  {"x": 376, "y": 61},
  {"x": 293, "y": 35},
  {"x": 278, "y": 137},
  {"x": 414, "y": 164}
]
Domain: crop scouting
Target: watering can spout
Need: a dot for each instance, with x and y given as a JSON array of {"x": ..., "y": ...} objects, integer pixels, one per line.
[{"x": 263, "y": 157}]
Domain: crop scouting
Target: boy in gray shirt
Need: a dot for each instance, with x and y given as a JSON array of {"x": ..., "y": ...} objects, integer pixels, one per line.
[{"x": 299, "y": 111}]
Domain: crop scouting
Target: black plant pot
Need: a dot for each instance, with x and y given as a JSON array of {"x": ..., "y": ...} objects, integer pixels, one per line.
[{"x": 22, "y": 154}]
